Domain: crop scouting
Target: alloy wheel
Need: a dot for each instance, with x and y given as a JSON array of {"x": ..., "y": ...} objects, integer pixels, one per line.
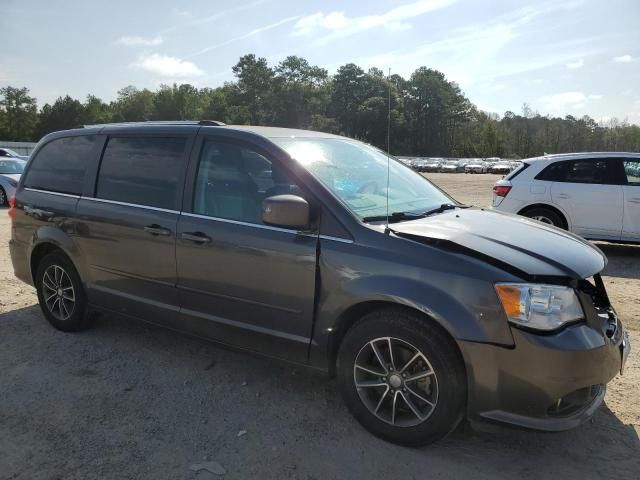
[
  {"x": 58, "y": 292},
  {"x": 395, "y": 381},
  {"x": 543, "y": 219}
]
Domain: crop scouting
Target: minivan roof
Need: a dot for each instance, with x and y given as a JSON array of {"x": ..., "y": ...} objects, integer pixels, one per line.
[{"x": 269, "y": 132}]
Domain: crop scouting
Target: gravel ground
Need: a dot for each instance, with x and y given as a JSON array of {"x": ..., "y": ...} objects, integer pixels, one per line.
[{"x": 126, "y": 400}]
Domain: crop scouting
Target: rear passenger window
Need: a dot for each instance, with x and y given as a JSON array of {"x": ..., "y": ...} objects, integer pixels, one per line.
[
  {"x": 60, "y": 165},
  {"x": 632, "y": 171},
  {"x": 555, "y": 172},
  {"x": 233, "y": 180},
  {"x": 606, "y": 171},
  {"x": 142, "y": 170}
]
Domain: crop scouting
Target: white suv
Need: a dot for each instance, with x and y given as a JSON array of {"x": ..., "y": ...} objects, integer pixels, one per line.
[{"x": 596, "y": 195}]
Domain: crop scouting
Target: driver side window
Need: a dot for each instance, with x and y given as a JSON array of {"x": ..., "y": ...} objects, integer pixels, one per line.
[{"x": 233, "y": 180}]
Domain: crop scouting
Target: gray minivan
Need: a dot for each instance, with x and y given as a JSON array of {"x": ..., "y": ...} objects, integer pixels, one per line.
[{"x": 276, "y": 241}]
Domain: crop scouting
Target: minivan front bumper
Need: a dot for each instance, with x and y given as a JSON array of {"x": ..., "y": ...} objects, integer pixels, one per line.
[{"x": 545, "y": 382}]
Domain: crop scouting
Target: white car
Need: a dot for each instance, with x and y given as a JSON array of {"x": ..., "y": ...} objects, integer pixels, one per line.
[
  {"x": 10, "y": 171},
  {"x": 595, "y": 195},
  {"x": 475, "y": 165},
  {"x": 8, "y": 153}
]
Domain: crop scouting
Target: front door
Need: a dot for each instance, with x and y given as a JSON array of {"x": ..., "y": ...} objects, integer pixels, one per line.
[
  {"x": 242, "y": 282},
  {"x": 631, "y": 222},
  {"x": 592, "y": 196}
]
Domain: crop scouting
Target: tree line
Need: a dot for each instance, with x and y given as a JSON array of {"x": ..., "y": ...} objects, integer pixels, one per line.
[{"x": 428, "y": 115}]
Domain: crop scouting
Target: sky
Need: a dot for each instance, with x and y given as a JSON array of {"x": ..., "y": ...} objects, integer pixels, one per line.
[{"x": 578, "y": 57}]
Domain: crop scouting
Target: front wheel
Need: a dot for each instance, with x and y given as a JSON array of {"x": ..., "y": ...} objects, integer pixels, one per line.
[{"x": 401, "y": 377}]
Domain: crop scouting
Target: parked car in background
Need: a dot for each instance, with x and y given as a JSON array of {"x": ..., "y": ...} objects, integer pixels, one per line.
[
  {"x": 475, "y": 165},
  {"x": 420, "y": 165},
  {"x": 433, "y": 164},
  {"x": 425, "y": 310},
  {"x": 502, "y": 167},
  {"x": 10, "y": 171},
  {"x": 595, "y": 195},
  {"x": 451, "y": 166},
  {"x": 8, "y": 153}
]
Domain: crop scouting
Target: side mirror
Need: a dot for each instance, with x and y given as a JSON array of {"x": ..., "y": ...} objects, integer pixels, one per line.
[{"x": 289, "y": 211}]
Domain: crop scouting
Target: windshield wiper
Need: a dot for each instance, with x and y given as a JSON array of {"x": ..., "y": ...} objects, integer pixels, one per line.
[
  {"x": 442, "y": 208},
  {"x": 399, "y": 216},
  {"x": 393, "y": 217}
]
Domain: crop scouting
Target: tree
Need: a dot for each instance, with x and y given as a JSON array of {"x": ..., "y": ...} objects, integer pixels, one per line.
[
  {"x": 133, "y": 105},
  {"x": 301, "y": 92},
  {"x": 18, "y": 114},
  {"x": 95, "y": 111},
  {"x": 65, "y": 113},
  {"x": 253, "y": 89}
]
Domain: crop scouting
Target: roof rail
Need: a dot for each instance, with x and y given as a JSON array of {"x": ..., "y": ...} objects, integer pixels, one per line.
[
  {"x": 209, "y": 123},
  {"x": 204, "y": 123}
]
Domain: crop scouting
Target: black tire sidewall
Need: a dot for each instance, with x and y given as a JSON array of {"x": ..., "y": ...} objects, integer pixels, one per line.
[
  {"x": 4, "y": 200},
  {"x": 78, "y": 319},
  {"x": 436, "y": 346}
]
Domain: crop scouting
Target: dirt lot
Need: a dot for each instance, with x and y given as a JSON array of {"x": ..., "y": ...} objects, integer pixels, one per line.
[{"x": 126, "y": 400}]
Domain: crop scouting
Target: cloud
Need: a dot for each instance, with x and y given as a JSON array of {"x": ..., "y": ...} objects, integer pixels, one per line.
[
  {"x": 252, "y": 33},
  {"x": 623, "y": 59},
  {"x": 594, "y": 97},
  {"x": 328, "y": 27},
  {"x": 137, "y": 41},
  {"x": 166, "y": 66},
  {"x": 197, "y": 20},
  {"x": 576, "y": 64},
  {"x": 464, "y": 54},
  {"x": 561, "y": 102}
]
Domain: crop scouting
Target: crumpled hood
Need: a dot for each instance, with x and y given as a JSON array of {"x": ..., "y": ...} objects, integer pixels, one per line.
[{"x": 526, "y": 245}]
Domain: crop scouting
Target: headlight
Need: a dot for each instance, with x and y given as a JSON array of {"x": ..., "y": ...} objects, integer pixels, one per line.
[{"x": 541, "y": 307}]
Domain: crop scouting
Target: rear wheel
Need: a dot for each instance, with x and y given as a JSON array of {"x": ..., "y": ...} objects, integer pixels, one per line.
[
  {"x": 3, "y": 197},
  {"x": 545, "y": 215},
  {"x": 401, "y": 377},
  {"x": 61, "y": 294}
]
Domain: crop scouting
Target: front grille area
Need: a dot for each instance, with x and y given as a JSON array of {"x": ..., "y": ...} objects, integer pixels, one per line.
[
  {"x": 574, "y": 401},
  {"x": 595, "y": 289}
]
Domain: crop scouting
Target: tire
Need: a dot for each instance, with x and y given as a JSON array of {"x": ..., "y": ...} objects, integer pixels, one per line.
[
  {"x": 4, "y": 201},
  {"x": 60, "y": 293},
  {"x": 545, "y": 215},
  {"x": 445, "y": 387}
]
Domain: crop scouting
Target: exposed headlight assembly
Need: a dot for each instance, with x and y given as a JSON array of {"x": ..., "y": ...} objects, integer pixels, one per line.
[{"x": 537, "y": 306}]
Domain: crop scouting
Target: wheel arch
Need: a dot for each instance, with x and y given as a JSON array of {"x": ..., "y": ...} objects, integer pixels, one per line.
[
  {"x": 563, "y": 216},
  {"x": 49, "y": 239},
  {"x": 355, "y": 312}
]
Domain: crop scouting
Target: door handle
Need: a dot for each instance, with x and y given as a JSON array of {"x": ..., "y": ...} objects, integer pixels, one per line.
[
  {"x": 563, "y": 195},
  {"x": 197, "y": 237},
  {"x": 157, "y": 230},
  {"x": 38, "y": 213}
]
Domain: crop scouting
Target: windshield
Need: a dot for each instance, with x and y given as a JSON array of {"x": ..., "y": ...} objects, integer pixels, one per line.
[
  {"x": 357, "y": 174},
  {"x": 11, "y": 166}
]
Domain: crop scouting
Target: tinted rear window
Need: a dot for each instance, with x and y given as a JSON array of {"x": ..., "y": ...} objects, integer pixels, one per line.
[
  {"x": 142, "y": 170},
  {"x": 554, "y": 173},
  {"x": 59, "y": 166},
  {"x": 517, "y": 171}
]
